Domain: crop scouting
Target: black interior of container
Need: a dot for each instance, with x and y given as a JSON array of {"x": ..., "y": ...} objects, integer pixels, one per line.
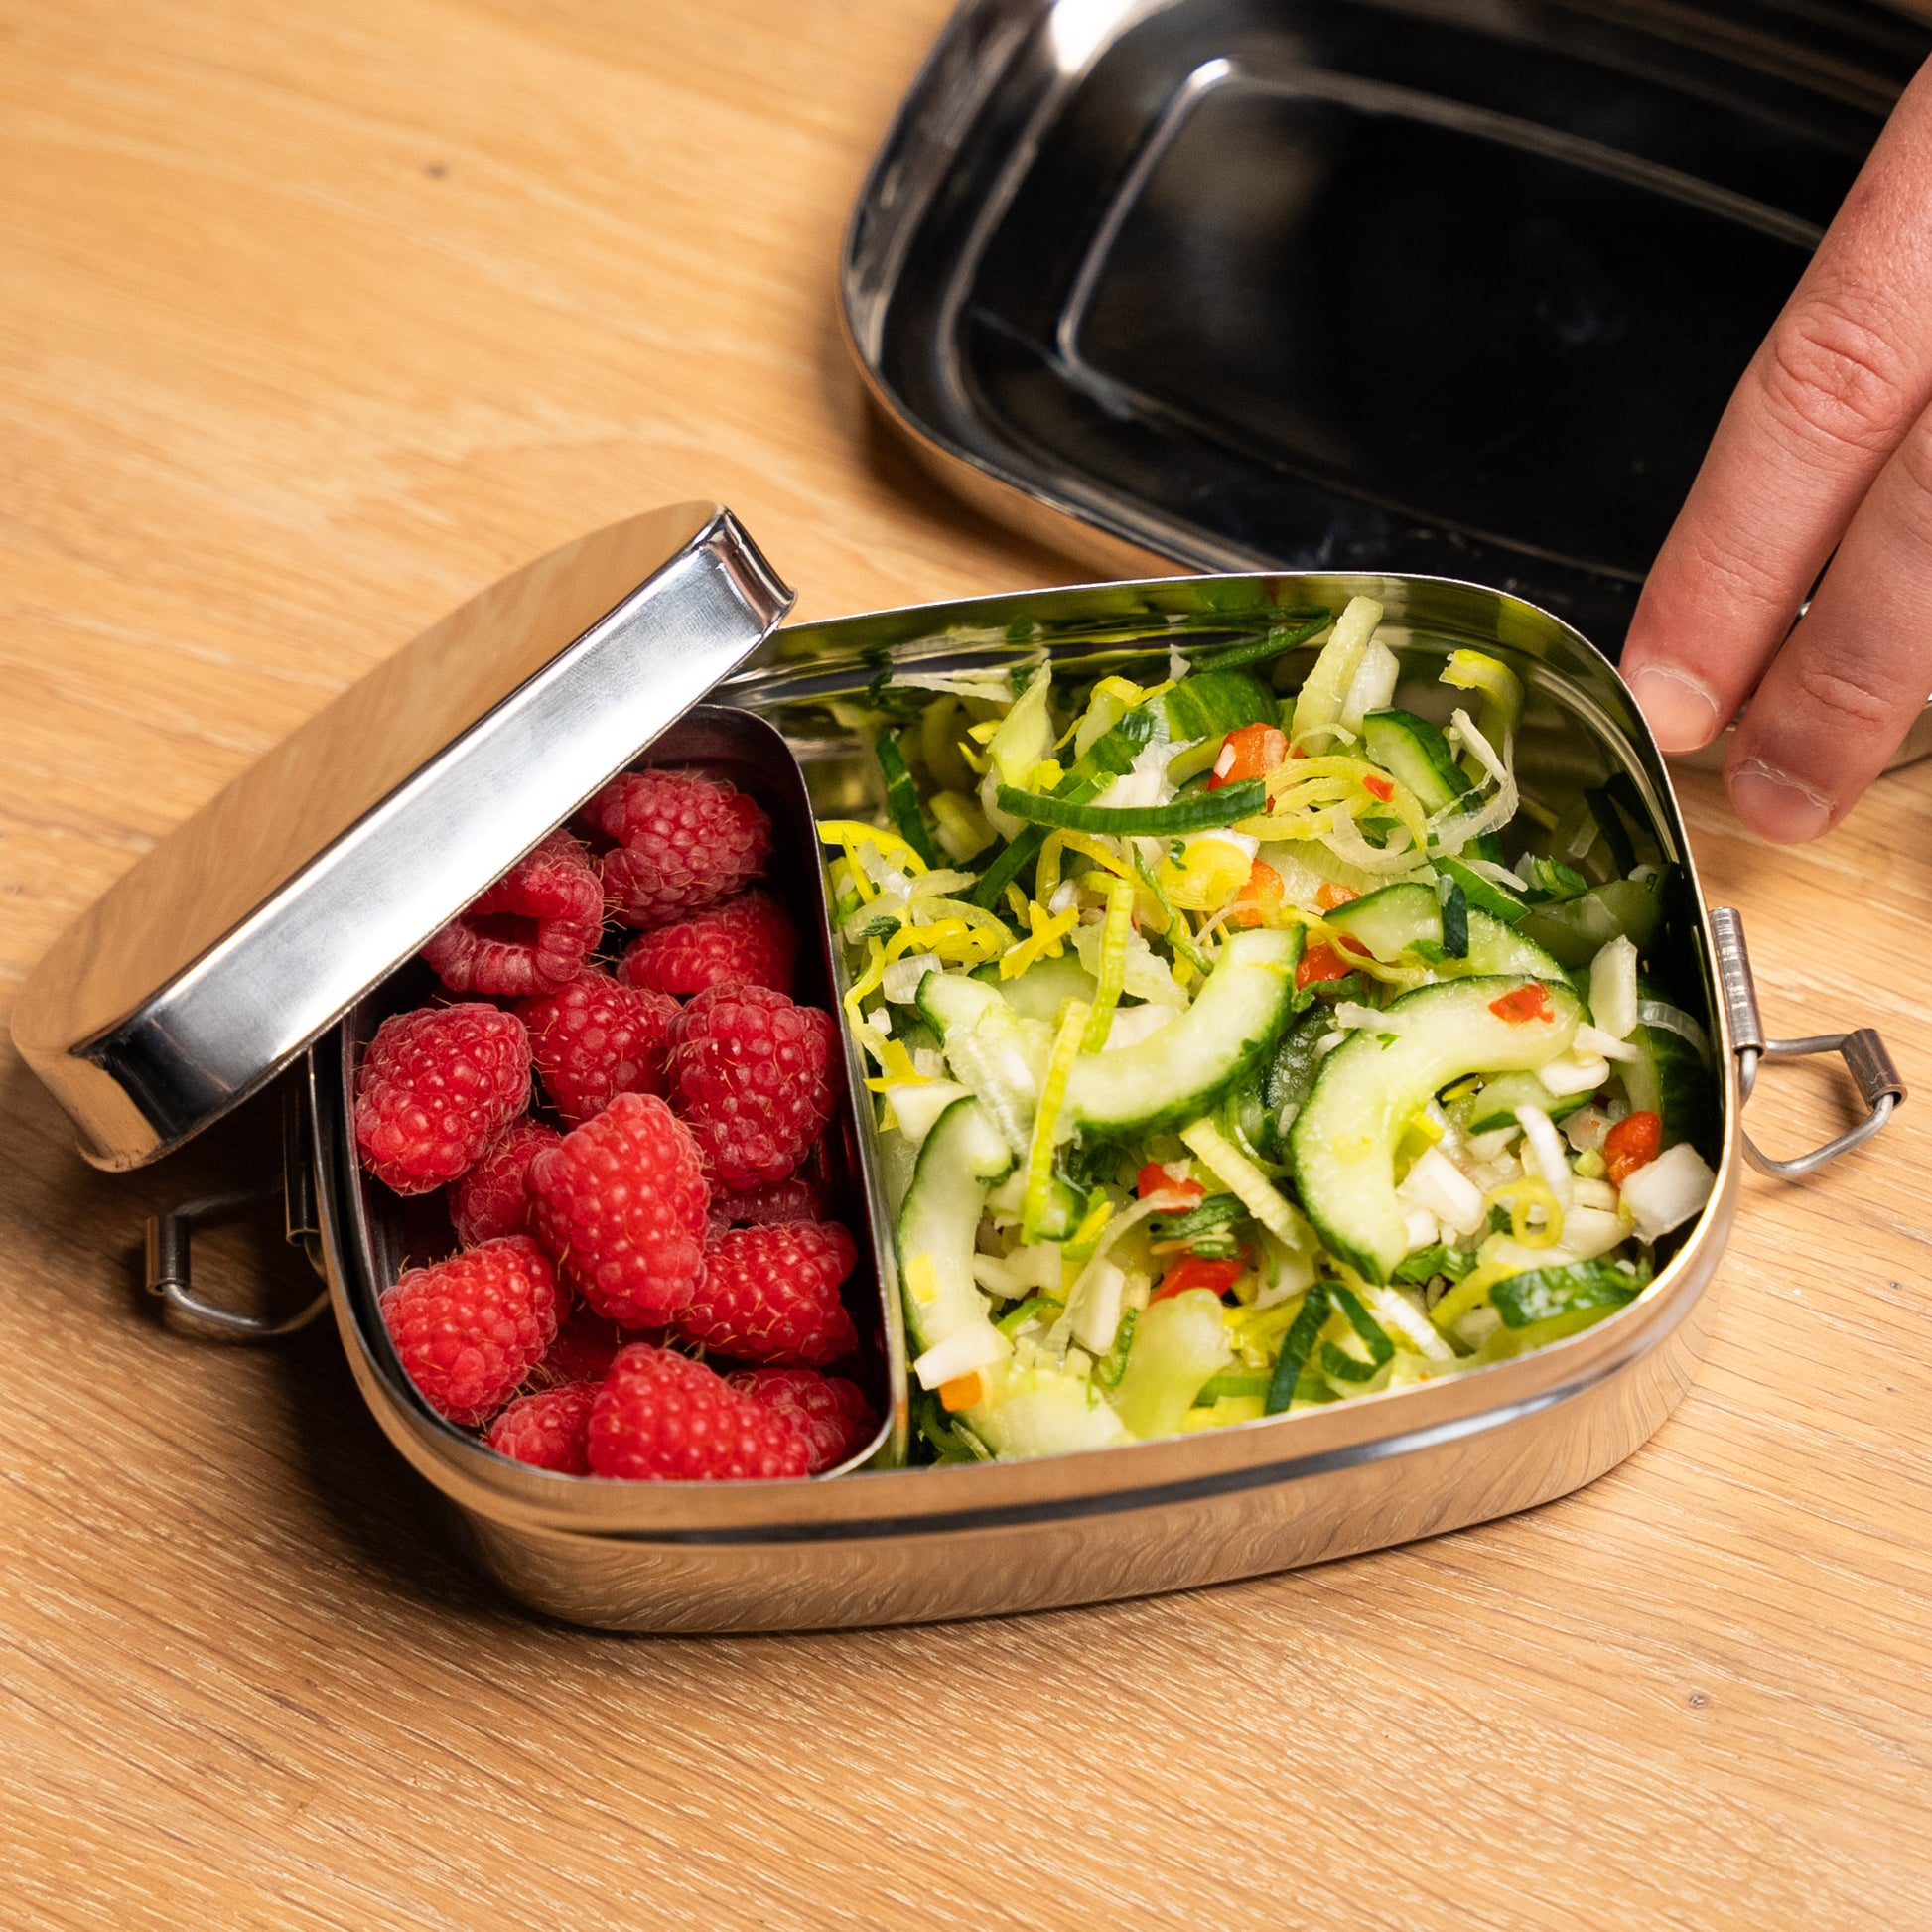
[{"x": 1343, "y": 284}]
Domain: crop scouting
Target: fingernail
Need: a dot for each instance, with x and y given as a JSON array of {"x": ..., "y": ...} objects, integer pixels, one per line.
[
  {"x": 1776, "y": 805},
  {"x": 1682, "y": 712}
]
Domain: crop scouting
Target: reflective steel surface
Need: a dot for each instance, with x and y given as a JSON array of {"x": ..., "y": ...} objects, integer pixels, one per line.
[
  {"x": 241, "y": 937},
  {"x": 885, "y": 1544},
  {"x": 1453, "y": 288}
]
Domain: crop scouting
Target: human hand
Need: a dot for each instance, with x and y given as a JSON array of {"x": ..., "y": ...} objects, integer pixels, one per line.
[{"x": 1824, "y": 446}]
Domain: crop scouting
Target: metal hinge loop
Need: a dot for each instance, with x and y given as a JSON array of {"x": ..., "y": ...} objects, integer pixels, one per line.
[
  {"x": 1863, "y": 1051},
  {"x": 169, "y": 1274}
]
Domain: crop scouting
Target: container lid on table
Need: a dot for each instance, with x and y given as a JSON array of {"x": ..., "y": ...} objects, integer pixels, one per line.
[{"x": 245, "y": 934}]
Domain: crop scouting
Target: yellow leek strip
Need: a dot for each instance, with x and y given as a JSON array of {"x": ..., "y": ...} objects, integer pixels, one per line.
[
  {"x": 1049, "y": 930},
  {"x": 1113, "y": 963},
  {"x": 1086, "y": 1237},
  {"x": 1519, "y": 1197},
  {"x": 868, "y": 1038},
  {"x": 1018, "y": 901},
  {"x": 1471, "y": 1293},
  {"x": 1047, "y": 874},
  {"x": 964, "y": 910},
  {"x": 1046, "y": 1118},
  {"x": 850, "y": 833},
  {"x": 900, "y": 1070}
]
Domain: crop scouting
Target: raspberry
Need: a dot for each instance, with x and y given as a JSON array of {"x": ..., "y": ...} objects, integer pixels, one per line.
[
  {"x": 547, "y": 1430},
  {"x": 433, "y": 1089},
  {"x": 587, "y": 1344},
  {"x": 493, "y": 1197},
  {"x": 746, "y": 938},
  {"x": 683, "y": 842},
  {"x": 470, "y": 1328},
  {"x": 831, "y": 1413},
  {"x": 771, "y": 1295},
  {"x": 622, "y": 1206},
  {"x": 596, "y": 1038},
  {"x": 756, "y": 1077},
  {"x": 530, "y": 932},
  {"x": 794, "y": 1198},
  {"x": 662, "y": 1418}
]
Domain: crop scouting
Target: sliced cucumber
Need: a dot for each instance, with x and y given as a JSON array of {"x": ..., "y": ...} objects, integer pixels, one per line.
[
  {"x": 1399, "y": 917},
  {"x": 1039, "y": 992},
  {"x": 1416, "y": 751},
  {"x": 1574, "y": 930},
  {"x": 1210, "y": 704},
  {"x": 1413, "y": 750},
  {"x": 1343, "y": 1141},
  {"x": 960, "y": 1160},
  {"x": 1180, "y": 1072},
  {"x": 1496, "y": 1106},
  {"x": 990, "y": 1049},
  {"x": 1033, "y": 1410},
  {"x": 1667, "y": 1078},
  {"x": 1484, "y": 896}
]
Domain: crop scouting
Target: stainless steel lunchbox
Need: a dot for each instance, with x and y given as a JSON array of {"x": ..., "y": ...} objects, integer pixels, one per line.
[{"x": 263, "y": 941}]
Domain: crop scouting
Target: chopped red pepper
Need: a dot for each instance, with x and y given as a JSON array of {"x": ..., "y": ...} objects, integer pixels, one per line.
[
  {"x": 1329, "y": 896},
  {"x": 1632, "y": 1144},
  {"x": 1174, "y": 1193},
  {"x": 1193, "y": 1272},
  {"x": 1249, "y": 752},
  {"x": 1526, "y": 1003},
  {"x": 1376, "y": 787},
  {"x": 1321, "y": 962},
  {"x": 1260, "y": 897}
]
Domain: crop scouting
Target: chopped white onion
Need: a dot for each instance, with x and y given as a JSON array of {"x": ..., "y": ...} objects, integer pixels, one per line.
[
  {"x": 899, "y": 982},
  {"x": 916, "y": 1104},
  {"x": 879, "y": 1018},
  {"x": 1586, "y": 1128},
  {"x": 1572, "y": 1076},
  {"x": 1593, "y": 1193},
  {"x": 1454, "y": 825},
  {"x": 1666, "y": 1192},
  {"x": 1614, "y": 988},
  {"x": 1352, "y": 1013},
  {"x": 1344, "y": 838},
  {"x": 1063, "y": 896},
  {"x": 1096, "y": 1314},
  {"x": 1545, "y": 1150},
  {"x": 1436, "y": 1184},
  {"x": 1486, "y": 1146},
  {"x": 1372, "y": 688},
  {"x": 977, "y": 1346},
  {"x": 1421, "y": 1228},
  {"x": 1497, "y": 875},
  {"x": 1674, "y": 1019},
  {"x": 1395, "y": 1310},
  {"x": 1602, "y": 1045}
]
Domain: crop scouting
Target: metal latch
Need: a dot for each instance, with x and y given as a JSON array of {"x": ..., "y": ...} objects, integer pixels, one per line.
[
  {"x": 1863, "y": 1051},
  {"x": 169, "y": 1274}
]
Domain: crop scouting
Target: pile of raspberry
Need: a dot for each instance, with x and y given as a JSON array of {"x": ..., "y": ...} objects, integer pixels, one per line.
[{"x": 625, "y": 1105}]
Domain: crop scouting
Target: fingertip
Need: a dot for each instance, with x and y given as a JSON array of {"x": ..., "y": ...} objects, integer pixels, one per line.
[
  {"x": 1775, "y": 805},
  {"x": 1681, "y": 709}
]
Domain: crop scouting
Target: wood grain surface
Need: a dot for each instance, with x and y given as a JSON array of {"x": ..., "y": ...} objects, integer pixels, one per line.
[{"x": 312, "y": 320}]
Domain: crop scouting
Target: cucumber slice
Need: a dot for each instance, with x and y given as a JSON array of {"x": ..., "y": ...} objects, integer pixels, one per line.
[
  {"x": 1343, "y": 1141},
  {"x": 1030, "y": 1410},
  {"x": 1042, "y": 988},
  {"x": 1398, "y": 917},
  {"x": 1210, "y": 704},
  {"x": 1667, "y": 1078},
  {"x": 961, "y": 1160},
  {"x": 989, "y": 1048},
  {"x": 1496, "y": 1106},
  {"x": 1496, "y": 900},
  {"x": 1574, "y": 930},
  {"x": 1413, "y": 750},
  {"x": 1205, "y": 811},
  {"x": 1416, "y": 751},
  {"x": 1180, "y": 1072}
]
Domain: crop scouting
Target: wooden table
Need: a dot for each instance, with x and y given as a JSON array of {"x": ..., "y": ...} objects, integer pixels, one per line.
[{"x": 312, "y": 320}]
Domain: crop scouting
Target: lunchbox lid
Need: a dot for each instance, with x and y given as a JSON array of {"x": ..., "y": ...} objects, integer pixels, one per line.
[{"x": 229, "y": 947}]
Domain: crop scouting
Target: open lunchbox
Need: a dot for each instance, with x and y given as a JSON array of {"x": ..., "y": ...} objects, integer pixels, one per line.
[{"x": 265, "y": 939}]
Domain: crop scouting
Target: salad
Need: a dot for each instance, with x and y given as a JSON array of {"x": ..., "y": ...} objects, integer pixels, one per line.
[{"x": 1235, "y": 1053}]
